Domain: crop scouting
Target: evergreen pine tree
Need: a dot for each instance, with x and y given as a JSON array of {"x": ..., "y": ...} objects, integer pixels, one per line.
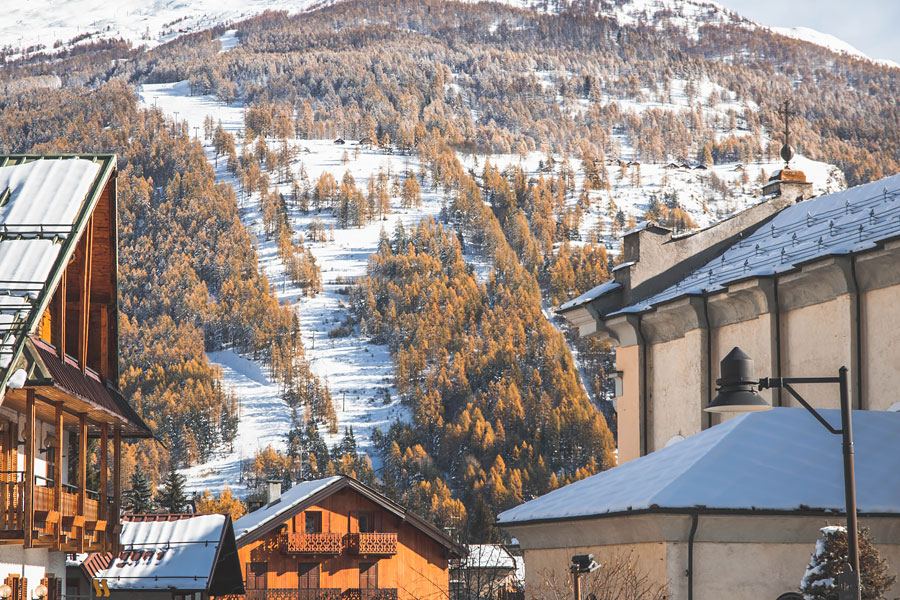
[
  {"x": 828, "y": 561},
  {"x": 140, "y": 496},
  {"x": 172, "y": 499}
]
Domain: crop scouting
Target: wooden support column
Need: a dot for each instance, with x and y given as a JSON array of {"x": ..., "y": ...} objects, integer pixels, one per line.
[
  {"x": 85, "y": 309},
  {"x": 82, "y": 477},
  {"x": 28, "y": 525},
  {"x": 117, "y": 489},
  {"x": 103, "y": 507},
  {"x": 57, "y": 473},
  {"x": 104, "y": 467},
  {"x": 61, "y": 315},
  {"x": 104, "y": 342}
]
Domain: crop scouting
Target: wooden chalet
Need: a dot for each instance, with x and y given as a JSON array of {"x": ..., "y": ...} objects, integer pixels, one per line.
[
  {"x": 337, "y": 538},
  {"x": 58, "y": 364}
]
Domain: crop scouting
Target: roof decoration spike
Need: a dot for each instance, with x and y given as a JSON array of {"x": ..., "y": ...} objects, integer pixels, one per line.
[
  {"x": 847, "y": 205},
  {"x": 831, "y": 227},
  {"x": 872, "y": 216},
  {"x": 794, "y": 239},
  {"x": 860, "y": 232},
  {"x": 809, "y": 220}
]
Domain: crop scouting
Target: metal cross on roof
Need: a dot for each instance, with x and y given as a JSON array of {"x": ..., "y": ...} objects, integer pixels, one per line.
[{"x": 787, "y": 153}]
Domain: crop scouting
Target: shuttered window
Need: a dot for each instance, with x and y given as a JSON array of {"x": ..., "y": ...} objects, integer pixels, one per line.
[{"x": 308, "y": 576}]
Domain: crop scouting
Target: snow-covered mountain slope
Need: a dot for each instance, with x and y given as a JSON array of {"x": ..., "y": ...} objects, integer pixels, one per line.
[
  {"x": 140, "y": 21},
  {"x": 50, "y": 22},
  {"x": 829, "y": 41}
]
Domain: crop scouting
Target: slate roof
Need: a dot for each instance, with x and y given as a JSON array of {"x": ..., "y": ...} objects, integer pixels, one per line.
[
  {"x": 776, "y": 460},
  {"x": 842, "y": 223}
]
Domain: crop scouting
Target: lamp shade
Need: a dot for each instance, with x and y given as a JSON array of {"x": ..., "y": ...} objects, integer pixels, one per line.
[{"x": 737, "y": 385}]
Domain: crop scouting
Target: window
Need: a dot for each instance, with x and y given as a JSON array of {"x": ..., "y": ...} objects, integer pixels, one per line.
[
  {"x": 365, "y": 522},
  {"x": 308, "y": 576},
  {"x": 256, "y": 575},
  {"x": 313, "y": 520},
  {"x": 368, "y": 575}
]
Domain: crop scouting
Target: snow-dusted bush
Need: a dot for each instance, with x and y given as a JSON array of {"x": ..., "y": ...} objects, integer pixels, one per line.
[{"x": 829, "y": 558}]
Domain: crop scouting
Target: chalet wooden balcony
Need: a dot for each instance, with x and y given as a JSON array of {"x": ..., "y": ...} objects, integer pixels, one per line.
[
  {"x": 370, "y": 593},
  {"x": 288, "y": 594},
  {"x": 383, "y": 544},
  {"x": 310, "y": 543},
  {"x": 60, "y": 526}
]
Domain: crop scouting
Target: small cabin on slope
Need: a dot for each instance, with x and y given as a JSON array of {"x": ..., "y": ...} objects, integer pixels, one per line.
[
  {"x": 58, "y": 367},
  {"x": 337, "y": 538}
]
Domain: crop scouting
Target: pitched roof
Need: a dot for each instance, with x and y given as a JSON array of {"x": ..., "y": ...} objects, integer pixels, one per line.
[
  {"x": 489, "y": 556},
  {"x": 162, "y": 552},
  {"x": 776, "y": 460},
  {"x": 45, "y": 202},
  {"x": 292, "y": 502},
  {"x": 846, "y": 222}
]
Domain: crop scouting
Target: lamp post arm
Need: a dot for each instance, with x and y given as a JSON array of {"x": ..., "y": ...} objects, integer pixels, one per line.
[{"x": 785, "y": 383}]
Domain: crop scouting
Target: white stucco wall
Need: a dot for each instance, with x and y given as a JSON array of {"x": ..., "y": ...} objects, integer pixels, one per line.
[{"x": 33, "y": 564}]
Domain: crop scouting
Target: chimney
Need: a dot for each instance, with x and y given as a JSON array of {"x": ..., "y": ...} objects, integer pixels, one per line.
[
  {"x": 790, "y": 184},
  {"x": 274, "y": 491}
]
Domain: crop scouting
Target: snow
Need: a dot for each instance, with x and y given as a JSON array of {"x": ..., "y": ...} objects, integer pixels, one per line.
[
  {"x": 140, "y": 22},
  {"x": 830, "y": 42},
  {"x": 163, "y": 554},
  {"x": 842, "y": 223},
  {"x": 289, "y": 499},
  {"x": 817, "y": 562},
  {"x": 264, "y": 421},
  {"x": 592, "y": 294},
  {"x": 489, "y": 556},
  {"x": 17, "y": 379},
  {"x": 45, "y": 197},
  {"x": 359, "y": 374},
  {"x": 781, "y": 459}
]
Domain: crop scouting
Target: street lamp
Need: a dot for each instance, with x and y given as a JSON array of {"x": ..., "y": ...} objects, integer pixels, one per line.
[
  {"x": 737, "y": 393},
  {"x": 582, "y": 563}
]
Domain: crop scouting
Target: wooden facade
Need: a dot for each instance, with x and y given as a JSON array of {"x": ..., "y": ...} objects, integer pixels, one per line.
[
  {"x": 69, "y": 352},
  {"x": 346, "y": 545}
]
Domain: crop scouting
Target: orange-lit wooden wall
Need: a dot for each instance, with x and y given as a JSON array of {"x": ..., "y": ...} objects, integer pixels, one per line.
[
  {"x": 89, "y": 334},
  {"x": 417, "y": 571}
]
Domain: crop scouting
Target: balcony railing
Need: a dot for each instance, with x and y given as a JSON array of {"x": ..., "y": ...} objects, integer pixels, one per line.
[
  {"x": 370, "y": 594},
  {"x": 372, "y": 543},
  {"x": 51, "y": 526},
  {"x": 310, "y": 543},
  {"x": 288, "y": 594}
]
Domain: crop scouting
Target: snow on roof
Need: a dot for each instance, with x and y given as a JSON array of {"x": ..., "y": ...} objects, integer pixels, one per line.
[
  {"x": 489, "y": 556},
  {"x": 159, "y": 554},
  {"x": 45, "y": 197},
  {"x": 842, "y": 223},
  {"x": 781, "y": 459},
  {"x": 592, "y": 294},
  {"x": 292, "y": 497}
]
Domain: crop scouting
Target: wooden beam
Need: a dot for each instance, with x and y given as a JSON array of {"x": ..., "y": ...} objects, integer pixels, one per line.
[
  {"x": 104, "y": 341},
  {"x": 85, "y": 308},
  {"x": 29, "y": 469},
  {"x": 117, "y": 490},
  {"x": 61, "y": 314},
  {"x": 82, "y": 474},
  {"x": 57, "y": 470}
]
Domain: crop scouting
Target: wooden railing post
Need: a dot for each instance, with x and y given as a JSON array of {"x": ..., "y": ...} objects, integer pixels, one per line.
[
  {"x": 28, "y": 524},
  {"x": 57, "y": 473},
  {"x": 82, "y": 477}
]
